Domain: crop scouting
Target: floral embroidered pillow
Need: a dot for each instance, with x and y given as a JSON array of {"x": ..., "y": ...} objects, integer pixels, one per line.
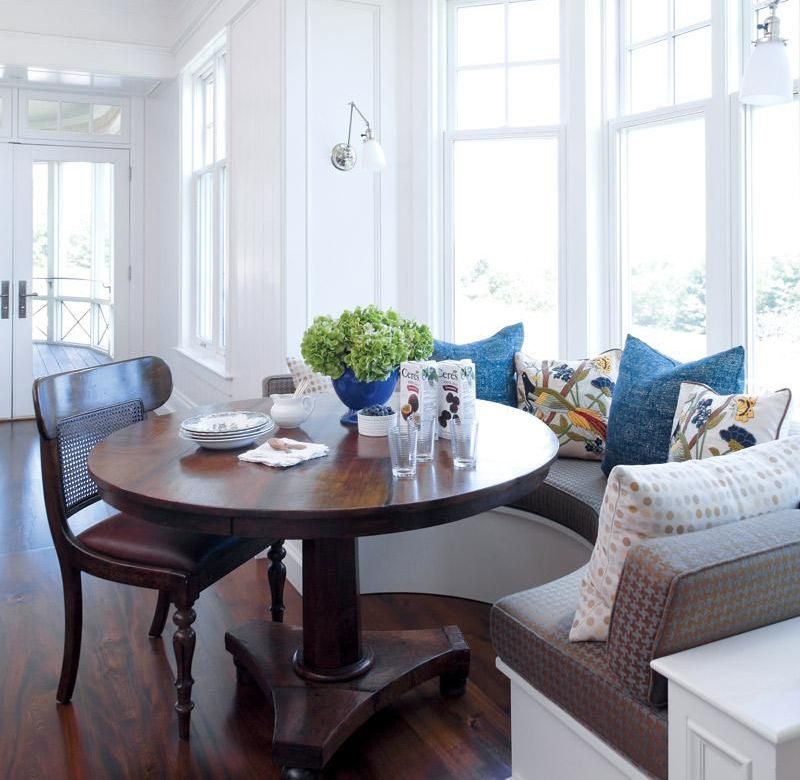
[
  {"x": 707, "y": 425},
  {"x": 572, "y": 397}
]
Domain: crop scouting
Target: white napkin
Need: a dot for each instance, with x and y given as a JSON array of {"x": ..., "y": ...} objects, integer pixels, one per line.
[{"x": 270, "y": 457}]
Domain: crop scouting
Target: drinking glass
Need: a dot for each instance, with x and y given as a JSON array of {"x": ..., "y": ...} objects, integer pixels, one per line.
[
  {"x": 426, "y": 436},
  {"x": 403, "y": 449},
  {"x": 464, "y": 438}
]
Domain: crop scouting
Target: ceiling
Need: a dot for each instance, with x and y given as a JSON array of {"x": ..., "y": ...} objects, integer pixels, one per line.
[{"x": 157, "y": 23}]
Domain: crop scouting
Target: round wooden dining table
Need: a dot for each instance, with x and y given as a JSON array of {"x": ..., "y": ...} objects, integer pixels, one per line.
[{"x": 328, "y": 677}]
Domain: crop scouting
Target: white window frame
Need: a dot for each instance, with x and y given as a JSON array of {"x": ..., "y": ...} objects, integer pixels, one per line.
[
  {"x": 452, "y": 135},
  {"x": 722, "y": 263},
  {"x": 212, "y": 352},
  {"x": 26, "y": 133}
]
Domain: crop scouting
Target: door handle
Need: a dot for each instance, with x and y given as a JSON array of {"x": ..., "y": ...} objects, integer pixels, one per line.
[
  {"x": 22, "y": 303},
  {"x": 5, "y": 295}
]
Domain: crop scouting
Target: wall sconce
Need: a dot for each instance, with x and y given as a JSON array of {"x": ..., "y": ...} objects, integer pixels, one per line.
[
  {"x": 767, "y": 78},
  {"x": 343, "y": 156}
]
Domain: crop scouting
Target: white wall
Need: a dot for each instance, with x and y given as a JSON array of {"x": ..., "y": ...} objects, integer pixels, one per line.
[{"x": 342, "y": 228}]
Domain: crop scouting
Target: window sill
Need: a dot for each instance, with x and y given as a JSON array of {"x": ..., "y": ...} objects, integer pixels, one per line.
[{"x": 213, "y": 364}]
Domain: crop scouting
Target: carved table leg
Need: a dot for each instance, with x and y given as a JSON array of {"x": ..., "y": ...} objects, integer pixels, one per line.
[
  {"x": 277, "y": 579},
  {"x": 338, "y": 678}
]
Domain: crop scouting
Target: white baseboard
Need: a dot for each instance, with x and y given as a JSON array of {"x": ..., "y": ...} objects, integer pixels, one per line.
[
  {"x": 178, "y": 402},
  {"x": 547, "y": 742}
]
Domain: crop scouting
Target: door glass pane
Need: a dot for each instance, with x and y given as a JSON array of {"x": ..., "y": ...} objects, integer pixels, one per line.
[
  {"x": 775, "y": 243},
  {"x": 534, "y": 95},
  {"x": 691, "y": 12},
  {"x": 506, "y": 238},
  {"x": 648, "y": 18},
  {"x": 75, "y": 117},
  {"x": 43, "y": 114},
  {"x": 73, "y": 259},
  {"x": 106, "y": 120},
  {"x": 480, "y": 33},
  {"x": 649, "y": 74},
  {"x": 693, "y": 66},
  {"x": 664, "y": 236},
  {"x": 41, "y": 249},
  {"x": 533, "y": 31},
  {"x": 481, "y": 99},
  {"x": 205, "y": 256}
]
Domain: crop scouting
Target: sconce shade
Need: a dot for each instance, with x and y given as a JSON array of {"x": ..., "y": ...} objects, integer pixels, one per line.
[
  {"x": 372, "y": 157},
  {"x": 767, "y": 78}
]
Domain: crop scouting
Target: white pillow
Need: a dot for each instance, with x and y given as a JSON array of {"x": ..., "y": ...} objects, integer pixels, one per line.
[
  {"x": 707, "y": 424},
  {"x": 317, "y": 383},
  {"x": 645, "y": 502}
]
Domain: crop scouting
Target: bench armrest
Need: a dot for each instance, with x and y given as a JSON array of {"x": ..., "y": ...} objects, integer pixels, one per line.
[{"x": 680, "y": 592}]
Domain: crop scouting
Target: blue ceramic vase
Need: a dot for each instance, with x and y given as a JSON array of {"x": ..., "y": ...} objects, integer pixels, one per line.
[{"x": 355, "y": 394}]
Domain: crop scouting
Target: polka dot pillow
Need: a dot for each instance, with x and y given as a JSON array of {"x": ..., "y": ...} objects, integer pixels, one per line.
[
  {"x": 315, "y": 383},
  {"x": 645, "y": 502}
]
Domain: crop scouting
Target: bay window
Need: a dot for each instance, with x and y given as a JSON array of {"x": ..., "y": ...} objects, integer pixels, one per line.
[{"x": 504, "y": 170}]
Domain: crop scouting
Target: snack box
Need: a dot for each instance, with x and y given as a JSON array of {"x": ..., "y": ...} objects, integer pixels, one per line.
[{"x": 456, "y": 392}]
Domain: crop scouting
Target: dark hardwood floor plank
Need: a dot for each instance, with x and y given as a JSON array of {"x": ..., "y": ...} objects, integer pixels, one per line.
[{"x": 121, "y": 723}]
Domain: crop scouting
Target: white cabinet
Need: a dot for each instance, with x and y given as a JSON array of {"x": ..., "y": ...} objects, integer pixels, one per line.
[{"x": 734, "y": 707}]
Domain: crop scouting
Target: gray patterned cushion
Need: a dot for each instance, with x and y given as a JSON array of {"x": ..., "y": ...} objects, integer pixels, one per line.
[
  {"x": 684, "y": 591},
  {"x": 530, "y": 632},
  {"x": 571, "y": 496}
]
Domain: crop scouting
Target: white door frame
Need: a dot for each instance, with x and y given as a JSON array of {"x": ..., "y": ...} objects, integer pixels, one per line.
[
  {"x": 24, "y": 155},
  {"x": 6, "y": 245}
]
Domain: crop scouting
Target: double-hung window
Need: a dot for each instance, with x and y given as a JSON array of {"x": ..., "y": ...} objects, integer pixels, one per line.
[
  {"x": 205, "y": 205},
  {"x": 660, "y": 162},
  {"x": 503, "y": 183}
]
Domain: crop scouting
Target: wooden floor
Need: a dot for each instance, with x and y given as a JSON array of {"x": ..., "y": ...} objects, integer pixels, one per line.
[
  {"x": 121, "y": 723},
  {"x": 55, "y": 358}
]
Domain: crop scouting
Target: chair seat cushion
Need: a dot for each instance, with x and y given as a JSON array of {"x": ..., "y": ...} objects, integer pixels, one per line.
[
  {"x": 530, "y": 632},
  {"x": 137, "y": 541},
  {"x": 571, "y": 495}
]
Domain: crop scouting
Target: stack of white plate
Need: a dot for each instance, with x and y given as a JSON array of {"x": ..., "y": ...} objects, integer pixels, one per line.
[{"x": 226, "y": 430}]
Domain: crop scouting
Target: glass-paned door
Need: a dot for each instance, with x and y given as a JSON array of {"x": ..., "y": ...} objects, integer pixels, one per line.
[{"x": 70, "y": 262}]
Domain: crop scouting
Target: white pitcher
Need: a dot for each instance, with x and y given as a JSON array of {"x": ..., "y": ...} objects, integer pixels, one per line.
[{"x": 289, "y": 411}]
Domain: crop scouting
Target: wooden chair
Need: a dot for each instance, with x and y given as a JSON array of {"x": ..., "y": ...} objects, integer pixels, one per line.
[{"x": 75, "y": 411}]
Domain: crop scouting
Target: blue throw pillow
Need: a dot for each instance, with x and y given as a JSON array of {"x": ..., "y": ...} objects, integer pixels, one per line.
[
  {"x": 646, "y": 395},
  {"x": 494, "y": 362}
]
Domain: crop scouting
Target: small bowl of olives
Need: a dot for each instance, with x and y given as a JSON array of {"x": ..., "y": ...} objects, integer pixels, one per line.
[{"x": 376, "y": 420}]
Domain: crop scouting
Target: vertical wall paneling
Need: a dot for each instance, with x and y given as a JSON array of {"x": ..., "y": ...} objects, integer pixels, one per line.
[
  {"x": 256, "y": 216},
  {"x": 342, "y": 229}
]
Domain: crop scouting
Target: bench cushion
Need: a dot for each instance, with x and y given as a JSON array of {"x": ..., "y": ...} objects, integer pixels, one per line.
[
  {"x": 680, "y": 592},
  {"x": 530, "y": 632},
  {"x": 571, "y": 495}
]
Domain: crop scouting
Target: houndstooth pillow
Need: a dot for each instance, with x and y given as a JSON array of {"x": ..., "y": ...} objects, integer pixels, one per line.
[
  {"x": 317, "y": 383},
  {"x": 649, "y": 501}
]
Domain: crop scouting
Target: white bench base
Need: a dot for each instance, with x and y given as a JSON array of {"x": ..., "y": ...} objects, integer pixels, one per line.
[{"x": 549, "y": 744}]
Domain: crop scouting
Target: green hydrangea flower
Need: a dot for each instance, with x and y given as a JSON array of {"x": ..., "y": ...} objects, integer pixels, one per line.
[{"x": 371, "y": 341}]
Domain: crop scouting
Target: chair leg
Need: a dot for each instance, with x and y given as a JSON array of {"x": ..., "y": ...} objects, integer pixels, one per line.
[
  {"x": 160, "y": 616},
  {"x": 183, "y": 644},
  {"x": 277, "y": 579},
  {"x": 73, "y": 627}
]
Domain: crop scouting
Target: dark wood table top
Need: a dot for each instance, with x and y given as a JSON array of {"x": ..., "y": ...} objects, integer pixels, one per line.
[{"x": 147, "y": 470}]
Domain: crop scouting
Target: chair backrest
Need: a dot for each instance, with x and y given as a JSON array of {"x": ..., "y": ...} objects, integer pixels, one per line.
[
  {"x": 277, "y": 383},
  {"x": 77, "y": 410}
]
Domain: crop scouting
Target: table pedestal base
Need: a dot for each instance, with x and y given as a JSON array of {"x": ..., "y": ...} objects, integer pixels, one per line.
[{"x": 313, "y": 719}]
